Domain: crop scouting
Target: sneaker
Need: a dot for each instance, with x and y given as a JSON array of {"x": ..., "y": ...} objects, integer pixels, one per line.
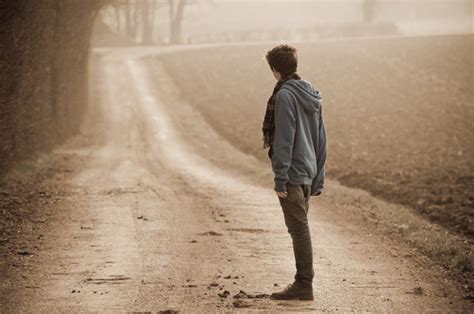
[{"x": 295, "y": 291}]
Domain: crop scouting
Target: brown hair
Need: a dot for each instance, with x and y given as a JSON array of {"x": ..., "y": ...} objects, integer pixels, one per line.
[{"x": 283, "y": 58}]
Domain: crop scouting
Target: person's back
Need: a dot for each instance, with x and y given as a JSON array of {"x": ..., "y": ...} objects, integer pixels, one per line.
[
  {"x": 294, "y": 131},
  {"x": 299, "y": 124}
]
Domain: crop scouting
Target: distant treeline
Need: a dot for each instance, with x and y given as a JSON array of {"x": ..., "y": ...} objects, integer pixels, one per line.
[{"x": 195, "y": 21}]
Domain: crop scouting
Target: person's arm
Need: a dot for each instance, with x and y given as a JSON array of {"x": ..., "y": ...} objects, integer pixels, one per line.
[
  {"x": 321, "y": 154},
  {"x": 285, "y": 128}
]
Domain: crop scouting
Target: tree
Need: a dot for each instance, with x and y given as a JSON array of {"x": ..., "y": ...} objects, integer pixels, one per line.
[
  {"x": 148, "y": 17},
  {"x": 136, "y": 18},
  {"x": 369, "y": 10},
  {"x": 176, "y": 19},
  {"x": 468, "y": 6}
]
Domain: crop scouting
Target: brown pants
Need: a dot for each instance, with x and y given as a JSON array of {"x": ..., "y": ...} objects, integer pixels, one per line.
[{"x": 295, "y": 210}]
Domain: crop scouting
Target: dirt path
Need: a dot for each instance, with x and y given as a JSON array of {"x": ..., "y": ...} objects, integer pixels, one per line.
[{"x": 166, "y": 215}]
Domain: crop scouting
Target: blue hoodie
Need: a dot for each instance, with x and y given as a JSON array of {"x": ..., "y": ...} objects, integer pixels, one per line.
[{"x": 299, "y": 144}]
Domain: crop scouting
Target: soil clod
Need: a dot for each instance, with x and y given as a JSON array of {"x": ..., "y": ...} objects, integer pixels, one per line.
[
  {"x": 210, "y": 233},
  {"x": 224, "y": 294},
  {"x": 244, "y": 295}
]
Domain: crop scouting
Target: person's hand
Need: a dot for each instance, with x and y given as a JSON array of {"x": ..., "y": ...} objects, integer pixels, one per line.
[{"x": 282, "y": 194}]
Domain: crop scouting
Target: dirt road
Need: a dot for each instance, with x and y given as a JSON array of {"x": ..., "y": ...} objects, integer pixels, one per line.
[{"x": 166, "y": 215}]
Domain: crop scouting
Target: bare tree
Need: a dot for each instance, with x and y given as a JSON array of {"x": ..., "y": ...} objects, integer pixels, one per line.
[
  {"x": 468, "y": 6},
  {"x": 147, "y": 31},
  {"x": 130, "y": 21},
  {"x": 176, "y": 19},
  {"x": 369, "y": 10},
  {"x": 116, "y": 7},
  {"x": 136, "y": 18}
]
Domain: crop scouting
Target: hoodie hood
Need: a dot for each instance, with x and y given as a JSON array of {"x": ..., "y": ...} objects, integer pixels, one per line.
[{"x": 309, "y": 98}]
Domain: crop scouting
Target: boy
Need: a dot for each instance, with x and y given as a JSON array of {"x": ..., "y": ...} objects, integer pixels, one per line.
[{"x": 294, "y": 131}]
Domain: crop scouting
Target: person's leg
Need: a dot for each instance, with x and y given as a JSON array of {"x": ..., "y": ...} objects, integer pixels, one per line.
[{"x": 295, "y": 210}]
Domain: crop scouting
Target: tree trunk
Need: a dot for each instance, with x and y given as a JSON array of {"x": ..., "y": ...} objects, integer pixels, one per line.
[
  {"x": 128, "y": 19},
  {"x": 136, "y": 18},
  {"x": 176, "y": 21},
  {"x": 369, "y": 10},
  {"x": 117, "y": 17},
  {"x": 147, "y": 27}
]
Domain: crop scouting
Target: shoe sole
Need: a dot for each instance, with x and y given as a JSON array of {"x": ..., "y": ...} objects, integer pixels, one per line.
[{"x": 301, "y": 298}]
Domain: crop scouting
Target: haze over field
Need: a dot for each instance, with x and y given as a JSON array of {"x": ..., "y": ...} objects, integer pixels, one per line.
[{"x": 210, "y": 21}]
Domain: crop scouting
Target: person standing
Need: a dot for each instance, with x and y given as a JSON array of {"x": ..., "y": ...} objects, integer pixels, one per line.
[{"x": 293, "y": 130}]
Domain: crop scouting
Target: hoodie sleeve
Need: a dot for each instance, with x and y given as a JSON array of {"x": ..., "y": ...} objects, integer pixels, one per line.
[
  {"x": 321, "y": 154},
  {"x": 285, "y": 128}
]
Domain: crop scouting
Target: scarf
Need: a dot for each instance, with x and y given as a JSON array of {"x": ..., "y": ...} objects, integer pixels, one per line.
[{"x": 268, "y": 127}]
